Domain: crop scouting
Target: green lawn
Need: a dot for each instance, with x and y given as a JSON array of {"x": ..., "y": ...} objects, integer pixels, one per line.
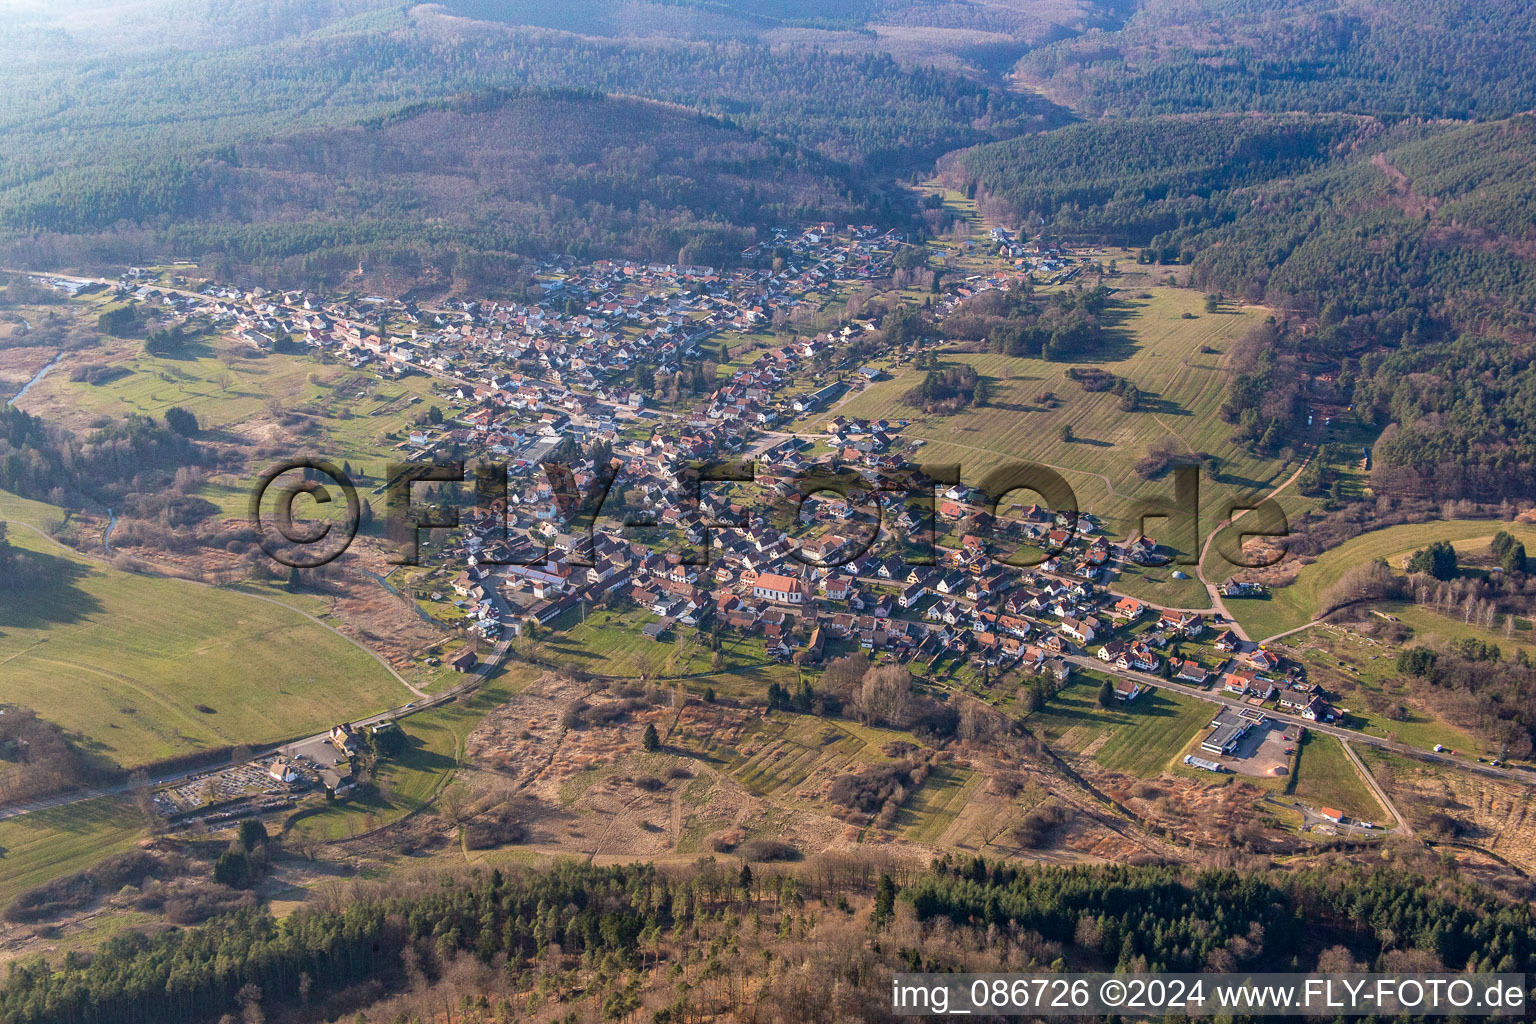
[
  {"x": 1326, "y": 777},
  {"x": 1294, "y": 605},
  {"x": 124, "y": 660},
  {"x": 41, "y": 846},
  {"x": 1140, "y": 738}
]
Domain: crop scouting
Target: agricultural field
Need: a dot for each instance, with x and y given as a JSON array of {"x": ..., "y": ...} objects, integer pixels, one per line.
[
  {"x": 1180, "y": 366},
  {"x": 1291, "y": 606},
  {"x": 44, "y": 845},
  {"x": 790, "y": 748},
  {"x": 1141, "y": 738},
  {"x": 144, "y": 668},
  {"x": 1324, "y": 776},
  {"x": 937, "y": 804}
]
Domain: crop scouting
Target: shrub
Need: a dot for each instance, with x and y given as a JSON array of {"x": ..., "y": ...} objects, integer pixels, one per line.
[{"x": 768, "y": 850}]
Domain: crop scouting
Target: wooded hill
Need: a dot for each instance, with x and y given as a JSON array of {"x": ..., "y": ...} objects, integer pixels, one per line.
[
  {"x": 1405, "y": 255},
  {"x": 608, "y": 932},
  {"x": 96, "y": 165},
  {"x": 1433, "y": 58},
  {"x": 455, "y": 184}
]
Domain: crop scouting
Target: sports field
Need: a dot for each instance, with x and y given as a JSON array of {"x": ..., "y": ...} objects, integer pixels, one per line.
[{"x": 145, "y": 668}]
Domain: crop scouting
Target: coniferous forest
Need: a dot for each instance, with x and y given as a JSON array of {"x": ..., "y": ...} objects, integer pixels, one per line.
[{"x": 622, "y": 924}]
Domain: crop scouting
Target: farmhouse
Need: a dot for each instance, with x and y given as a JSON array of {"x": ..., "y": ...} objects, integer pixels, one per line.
[{"x": 344, "y": 739}]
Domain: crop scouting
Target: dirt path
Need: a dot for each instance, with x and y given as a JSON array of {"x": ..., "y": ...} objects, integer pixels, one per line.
[
  {"x": 1381, "y": 795},
  {"x": 1205, "y": 550}
]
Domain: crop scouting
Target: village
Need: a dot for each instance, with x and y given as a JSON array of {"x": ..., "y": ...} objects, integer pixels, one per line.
[{"x": 929, "y": 577}]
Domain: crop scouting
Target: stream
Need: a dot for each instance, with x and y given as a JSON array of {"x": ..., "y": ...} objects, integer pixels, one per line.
[{"x": 18, "y": 396}]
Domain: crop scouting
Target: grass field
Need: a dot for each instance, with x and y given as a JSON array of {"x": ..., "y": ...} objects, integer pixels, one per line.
[
  {"x": 124, "y": 660},
  {"x": 1296, "y": 604},
  {"x": 610, "y": 643},
  {"x": 1326, "y": 777},
  {"x": 41, "y": 846},
  {"x": 1179, "y": 364},
  {"x": 1140, "y": 738},
  {"x": 1428, "y": 623},
  {"x": 231, "y": 390},
  {"x": 227, "y": 386},
  {"x": 16, "y": 509},
  {"x": 797, "y": 745},
  {"x": 1361, "y": 674},
  {"x": 935, "y": 805}
]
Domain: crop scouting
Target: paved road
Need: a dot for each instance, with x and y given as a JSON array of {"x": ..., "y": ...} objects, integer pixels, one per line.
[
  {"x": 1381, "y": 794},
  {"x": 1211, "y": 588},
  {"x": 1522, "y": 775}
]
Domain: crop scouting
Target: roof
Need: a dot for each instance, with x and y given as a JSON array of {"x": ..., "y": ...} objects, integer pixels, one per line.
[
  {"x": 1225, "y": 729},
  {"x": 773, "y": 581}
]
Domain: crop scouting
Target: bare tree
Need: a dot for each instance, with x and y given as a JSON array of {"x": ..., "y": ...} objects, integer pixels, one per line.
[{"x": 886, "y": 696}]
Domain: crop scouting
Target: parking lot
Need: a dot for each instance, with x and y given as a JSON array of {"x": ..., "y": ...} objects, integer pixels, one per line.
[{"x": 1262, "y": 752}]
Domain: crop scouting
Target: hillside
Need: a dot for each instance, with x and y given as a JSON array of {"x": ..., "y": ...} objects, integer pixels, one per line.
[
  {"x": 1436, "y": 58},
  {"x": 1129, "y": 179},
  {"x": 521, "y": 173},
  {"x": 1411, "y": 245},
  {"x": 71, "y": 169}
]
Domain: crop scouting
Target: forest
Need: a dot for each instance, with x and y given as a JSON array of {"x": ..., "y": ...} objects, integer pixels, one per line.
[
  {"x": 1432, "y": 58},
  {"x": 1061, "y": 326},
  {"x": 50, "y": 463},
  {"x": 582, "y": 932},
  {"x": 1404, "y": 256},
  {"x": 165, "y": 134},
  {"x": 1128, "y": 180},
  {"x": 469, "y": 185}
]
